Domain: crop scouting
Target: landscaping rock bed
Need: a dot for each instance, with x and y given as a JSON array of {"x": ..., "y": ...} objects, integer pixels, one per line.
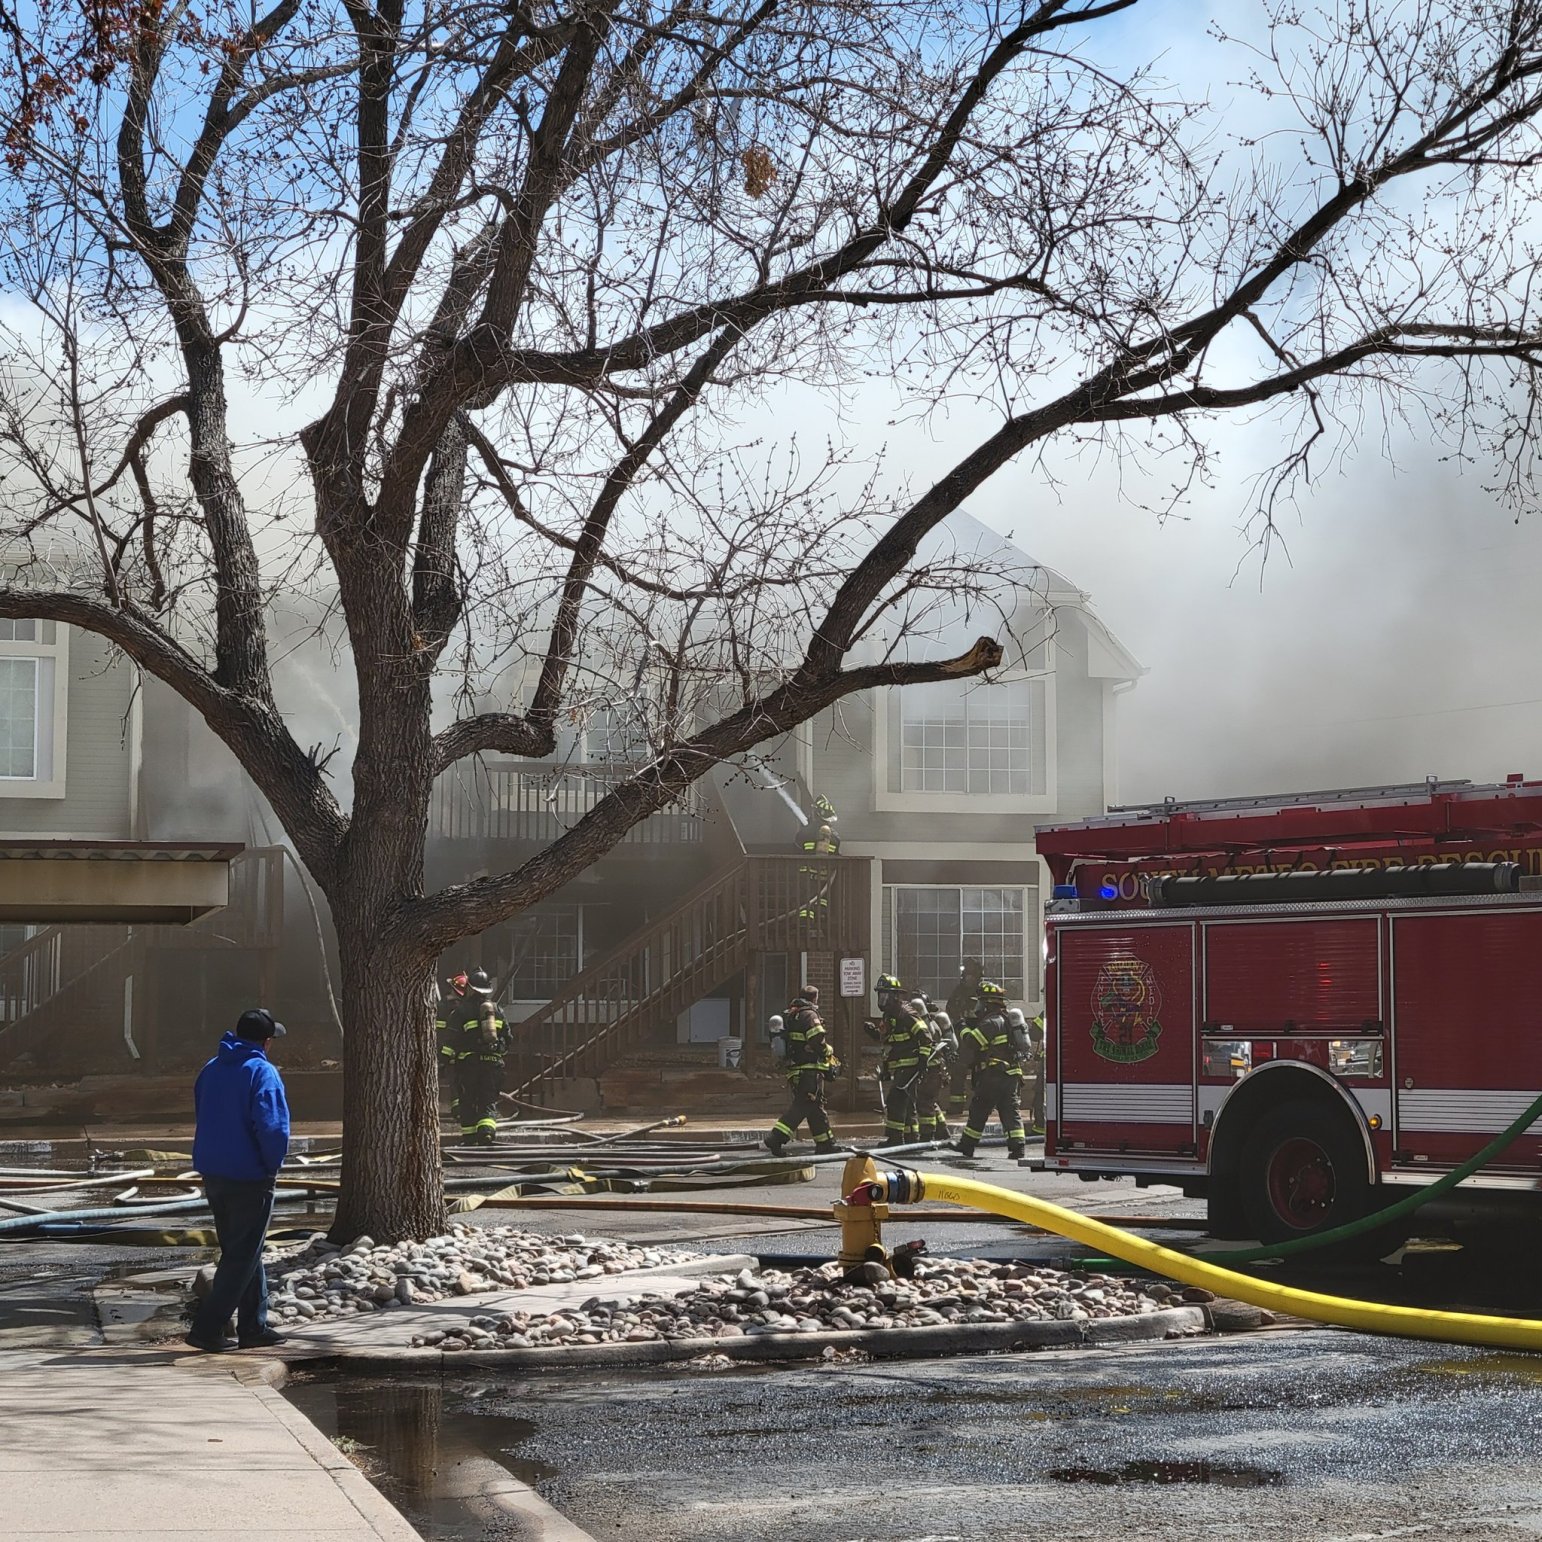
[
  {"x": 943, "y": 1293},
  {"x": 325, "y": 1281}
]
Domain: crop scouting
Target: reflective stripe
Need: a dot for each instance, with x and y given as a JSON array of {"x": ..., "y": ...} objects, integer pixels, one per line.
[
  {"x": 1115, "y": 1102},
  {"x": 1462, "y": 1110}
]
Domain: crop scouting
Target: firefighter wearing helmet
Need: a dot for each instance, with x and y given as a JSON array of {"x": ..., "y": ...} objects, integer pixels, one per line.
[
  {"x": 936, "y": 1070},
  {"x": 477, "y": 1036},
  {"x": 810, "y": 1061},
  {"x": 993, "y": 1050},
  {"x": 447, "y": 1023},
  {"x": 818, "y": 839},
  {"x": 906, "y": 1040}
]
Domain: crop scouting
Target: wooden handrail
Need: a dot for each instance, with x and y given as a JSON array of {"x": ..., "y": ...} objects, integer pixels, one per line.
[
  {"x": 637, "y": 943},
  {"x": 773, "y": 903}
]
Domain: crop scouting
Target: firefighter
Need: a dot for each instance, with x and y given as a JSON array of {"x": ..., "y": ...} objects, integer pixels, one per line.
[
  {"x": 1035, "y": 1068},
  {"x": 448, "y": 1016},
  {"x": 810, "y": 1061},
  {"x": 481, "y": 1044},
  {"x": 993, "y": 1051},
  {"x": 818, "y": 839},
  {"x": 936, "y": 1072},
  {"x": 904, "y": 1038},
  {"x": 960, "y": 1004}
]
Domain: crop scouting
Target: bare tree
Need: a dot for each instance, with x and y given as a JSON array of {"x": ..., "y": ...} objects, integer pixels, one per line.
[{"x": 500, "y": 323}]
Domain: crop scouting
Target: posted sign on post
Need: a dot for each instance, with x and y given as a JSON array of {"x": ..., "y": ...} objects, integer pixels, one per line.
[{"x": 853, "y": 977}]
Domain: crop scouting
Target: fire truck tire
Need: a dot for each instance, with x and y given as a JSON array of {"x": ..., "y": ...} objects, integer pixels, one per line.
[{"x": 1303, "y": 1171}]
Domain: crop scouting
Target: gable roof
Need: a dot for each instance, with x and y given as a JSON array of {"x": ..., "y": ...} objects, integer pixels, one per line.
[{"x": 1107, "y": 657}]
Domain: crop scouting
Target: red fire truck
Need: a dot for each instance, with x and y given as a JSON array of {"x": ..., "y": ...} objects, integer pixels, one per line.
[{"x": 1297, "y": 1006}]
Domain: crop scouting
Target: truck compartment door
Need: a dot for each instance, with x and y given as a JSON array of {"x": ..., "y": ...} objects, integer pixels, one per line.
[
  {"x": 1467, "y": 1035},
  {"x": 1125, "y": 1040},
  {"x": 1293, "y": 977}
]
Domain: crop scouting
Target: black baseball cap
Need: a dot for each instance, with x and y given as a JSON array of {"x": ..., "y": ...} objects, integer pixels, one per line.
[{"x": 259, "y": 1024}]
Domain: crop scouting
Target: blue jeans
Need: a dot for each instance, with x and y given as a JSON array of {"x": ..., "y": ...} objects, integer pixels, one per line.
[{"x": 241, "y": 1214}]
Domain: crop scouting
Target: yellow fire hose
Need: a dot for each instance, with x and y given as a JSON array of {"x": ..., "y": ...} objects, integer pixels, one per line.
[{"x": 904, "y": 1186}]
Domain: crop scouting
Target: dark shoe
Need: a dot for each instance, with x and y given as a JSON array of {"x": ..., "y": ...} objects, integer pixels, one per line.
[
  {"x": 1017, "y": 1153},
  {"x": 774, "y": 1146},
  {"x": 264, "y": 1340},
  {"x": 208, "y": 1346},
  {"x": 964, "y": 1148},
  {"x": 825, "y": 1148}
]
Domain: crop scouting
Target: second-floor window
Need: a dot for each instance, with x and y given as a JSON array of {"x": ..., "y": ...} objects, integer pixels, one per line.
[
  {"x": 969, "y": 739},
  {"x": 32, "y": 682},
  {"x": 18, "y": 719}
]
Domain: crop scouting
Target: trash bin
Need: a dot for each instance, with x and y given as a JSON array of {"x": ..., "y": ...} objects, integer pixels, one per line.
[{"x": 728, "y": 1052}]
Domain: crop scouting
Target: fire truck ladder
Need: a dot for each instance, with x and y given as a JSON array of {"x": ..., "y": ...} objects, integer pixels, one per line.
[{"x": 1392, "y": 792}]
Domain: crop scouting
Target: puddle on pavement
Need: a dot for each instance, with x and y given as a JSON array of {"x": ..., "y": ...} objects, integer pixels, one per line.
[
  {"x": 1220, "y": 1474},
  {"x": 1482, "y": 1367},
  {"x": 414, "y": 1439}
]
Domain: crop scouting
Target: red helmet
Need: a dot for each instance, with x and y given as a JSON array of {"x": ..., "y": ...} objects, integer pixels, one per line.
[{"x": 458, "y": 982}]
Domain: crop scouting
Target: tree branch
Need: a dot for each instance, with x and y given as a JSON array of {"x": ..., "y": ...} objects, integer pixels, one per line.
[
  {"x": 252, "y": 729},
  {"x": 462, "y": 909},
  {"x": 492, "y": 732}
]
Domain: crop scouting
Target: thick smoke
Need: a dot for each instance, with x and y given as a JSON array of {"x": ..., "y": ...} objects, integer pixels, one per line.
[{"x": 1391, "y": 637}]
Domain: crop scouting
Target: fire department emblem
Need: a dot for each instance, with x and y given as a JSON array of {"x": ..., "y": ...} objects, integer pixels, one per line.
[{"x": 1126, "y": 1001}]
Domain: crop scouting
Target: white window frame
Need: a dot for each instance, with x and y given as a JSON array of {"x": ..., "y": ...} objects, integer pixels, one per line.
[
  {"x": 58, "y": 653},
  {"x": 888, "y": 701},
  {"x": 1032, "y": 961},
  {"x": 582, "y": 944}
]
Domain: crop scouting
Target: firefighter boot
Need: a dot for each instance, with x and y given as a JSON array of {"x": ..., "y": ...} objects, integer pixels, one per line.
[
  {"x": 825, "y": 1147},
  {"x": 775, "y": 1143},
  {"x": 1017, "y": 1152}
]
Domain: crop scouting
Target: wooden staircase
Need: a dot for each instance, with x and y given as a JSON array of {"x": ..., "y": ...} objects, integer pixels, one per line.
[{"x": 762, "y": 904}]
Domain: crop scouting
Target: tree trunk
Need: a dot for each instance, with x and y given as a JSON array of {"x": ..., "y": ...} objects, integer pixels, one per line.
[{"x": 393, "y": 1183}]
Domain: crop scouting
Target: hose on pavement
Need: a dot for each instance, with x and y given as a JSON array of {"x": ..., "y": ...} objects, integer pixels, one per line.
[{"x": 901, "y": 1186}]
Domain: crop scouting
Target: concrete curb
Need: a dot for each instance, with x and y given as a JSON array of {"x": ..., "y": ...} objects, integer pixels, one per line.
[
  {"x": 490, "y": 1490},
  {"x": 882, "y": 1343},
  {"x": 374, "y": 1508},
  {"x": 480, "y": 1480}
]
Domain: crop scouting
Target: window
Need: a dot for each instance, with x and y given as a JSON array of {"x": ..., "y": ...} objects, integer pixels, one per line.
[
  {"x": 18, "y": 719},
  {"x": 541, "y": 951},
  {"x": 33, "y": 661},
  {"x": 929, "y": 932},
  {"x": 27, "y": 631},
  {"x": 966, "y": 739}
]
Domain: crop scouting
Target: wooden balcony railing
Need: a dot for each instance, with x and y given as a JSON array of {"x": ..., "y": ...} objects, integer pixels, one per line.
[{"x": 540, "y": 802}]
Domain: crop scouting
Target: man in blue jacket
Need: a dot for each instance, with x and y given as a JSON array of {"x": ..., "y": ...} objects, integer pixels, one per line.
[{"x": 240, "y": 1144}]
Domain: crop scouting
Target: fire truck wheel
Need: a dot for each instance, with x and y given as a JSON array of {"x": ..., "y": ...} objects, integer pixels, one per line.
[{"x": 1302, "y": 1171}]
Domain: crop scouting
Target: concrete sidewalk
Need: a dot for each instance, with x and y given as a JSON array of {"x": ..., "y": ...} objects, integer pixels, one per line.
[{"x": 126, "y": 1443}]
